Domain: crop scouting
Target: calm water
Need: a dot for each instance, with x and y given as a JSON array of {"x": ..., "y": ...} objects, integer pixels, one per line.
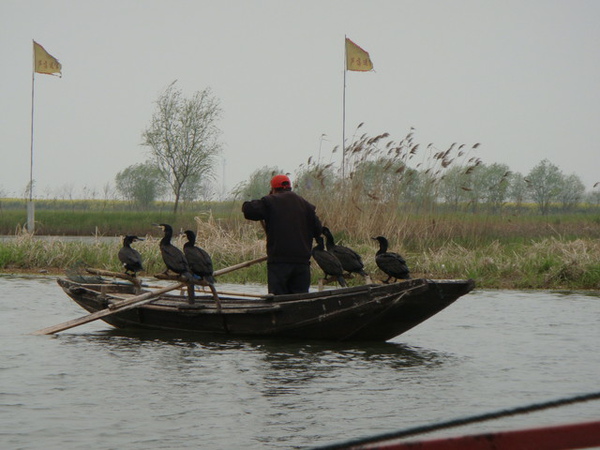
[{"x": 99, "y": 388}]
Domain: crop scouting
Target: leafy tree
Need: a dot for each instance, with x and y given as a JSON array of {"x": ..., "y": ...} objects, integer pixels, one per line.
[
  {"x": 545, "y": 183},
  {"x": 461, "y": 184},
  {"x": 193, "y": 189},
  {"x": 315, "y": 180},
  {"x": 257, "y": 185},
  {"x": 494, "y": 184},
  {"x": 140, "y": 184},
  {"x": 476, "y": 184},
  {"x": 572, "y": 191},
  {"x": 198, "y": 188},
  {"x": 517, "y": 191},
  {"x": 421, "y": 189},
  {"x": 593, "y": 198},
  {"x": 390, "y": 180},
  {"x": 413, "y": 187},
  {"x": 453, "y": 185},
  {"x": 377, "y": 179},
  {"x": 183, "y": 137}
]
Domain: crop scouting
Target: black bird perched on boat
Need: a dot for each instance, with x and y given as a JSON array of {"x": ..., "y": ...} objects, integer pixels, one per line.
[
  {"x": 350, "y": 260},
  {"x": 130, "y": 257},
  {"x": 198, "y": 259},
  {"x": 328, "y": 262},
  {"x": 390, "y": 263},
  {"x": 173, "y": 258}
]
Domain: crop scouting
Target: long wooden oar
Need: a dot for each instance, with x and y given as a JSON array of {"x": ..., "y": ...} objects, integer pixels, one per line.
[
  {"x": 134, "y": 302},
  {"x": 130, "y": 303}
]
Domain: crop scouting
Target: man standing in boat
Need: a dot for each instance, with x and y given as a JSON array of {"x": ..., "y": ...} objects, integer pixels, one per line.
[{"x": 291, "y": 223}]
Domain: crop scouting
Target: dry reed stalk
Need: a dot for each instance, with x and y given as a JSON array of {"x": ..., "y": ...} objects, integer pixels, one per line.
[
  {"x": 243, "y": 241},
  {"x": 385, "y": 183}
]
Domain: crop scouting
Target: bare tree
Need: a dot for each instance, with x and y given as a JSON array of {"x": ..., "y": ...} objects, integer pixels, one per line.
[
  {"x": 183, "y": 137},
  {"x": 107, "y": 194}
]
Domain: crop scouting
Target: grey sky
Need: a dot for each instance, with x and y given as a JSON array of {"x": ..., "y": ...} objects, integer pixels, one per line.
[{"x": 520, "y": 77}]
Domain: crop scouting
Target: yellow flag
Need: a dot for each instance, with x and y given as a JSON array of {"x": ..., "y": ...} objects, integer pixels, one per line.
[
  {"x": 44, "y": 62},
  {"x": 356, "y": 58}
]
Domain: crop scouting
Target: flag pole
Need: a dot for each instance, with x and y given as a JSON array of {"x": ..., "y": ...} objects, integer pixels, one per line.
[
  {"x": 344, "y": 115},
  {"x": 30, "y": 206},
  {"x": 43, "y": 62},
  {"x": 356, "y": 59}
]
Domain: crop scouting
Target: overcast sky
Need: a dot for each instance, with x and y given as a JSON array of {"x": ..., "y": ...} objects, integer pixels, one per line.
[{"x": 520, "y": 77}]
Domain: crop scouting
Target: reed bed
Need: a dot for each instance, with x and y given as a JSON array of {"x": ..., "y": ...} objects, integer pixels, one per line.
[{"x": 547, "y": 263}]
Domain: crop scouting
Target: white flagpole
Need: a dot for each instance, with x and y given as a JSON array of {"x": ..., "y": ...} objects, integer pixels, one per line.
[
  {"x": 30, "y": 206},
  {"x": 344, "y": 115}
]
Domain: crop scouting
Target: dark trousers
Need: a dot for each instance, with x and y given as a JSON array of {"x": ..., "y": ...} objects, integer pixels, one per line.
[{"x": 288, "y": 278}]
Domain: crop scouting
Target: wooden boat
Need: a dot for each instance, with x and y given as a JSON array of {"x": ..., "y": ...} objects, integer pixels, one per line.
[{"x": 369, "y": 313}]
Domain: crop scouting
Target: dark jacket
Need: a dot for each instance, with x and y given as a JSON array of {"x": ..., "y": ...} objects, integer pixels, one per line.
[{"x": 291, "y": 224}]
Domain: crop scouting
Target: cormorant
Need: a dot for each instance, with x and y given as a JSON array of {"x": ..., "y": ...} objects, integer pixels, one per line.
[
  {"x": 173, "y": 258},
  {"x": 130, "y": 257},
  {"x": 198, "y": 259},
  {"x": 392, "y": 264},
  {"x": 351, "y": 261},
  {"x": 328, "y": 262}
]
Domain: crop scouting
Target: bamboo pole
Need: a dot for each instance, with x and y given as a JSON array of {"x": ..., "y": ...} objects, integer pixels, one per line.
[{"x": 239, "y": 266}]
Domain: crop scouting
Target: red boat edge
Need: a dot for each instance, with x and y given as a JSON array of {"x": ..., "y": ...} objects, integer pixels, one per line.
[{"x": 556, "y": 437}]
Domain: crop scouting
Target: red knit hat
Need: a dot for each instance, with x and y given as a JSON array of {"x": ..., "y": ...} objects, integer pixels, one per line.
[{"x": 281, "y": 182}]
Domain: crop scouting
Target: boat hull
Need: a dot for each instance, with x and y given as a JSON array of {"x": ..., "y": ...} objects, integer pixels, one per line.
[{"x": 366, "y": 313}]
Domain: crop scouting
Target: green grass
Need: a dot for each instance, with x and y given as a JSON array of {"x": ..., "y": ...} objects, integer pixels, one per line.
[{"x": 91, "y": 223}]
